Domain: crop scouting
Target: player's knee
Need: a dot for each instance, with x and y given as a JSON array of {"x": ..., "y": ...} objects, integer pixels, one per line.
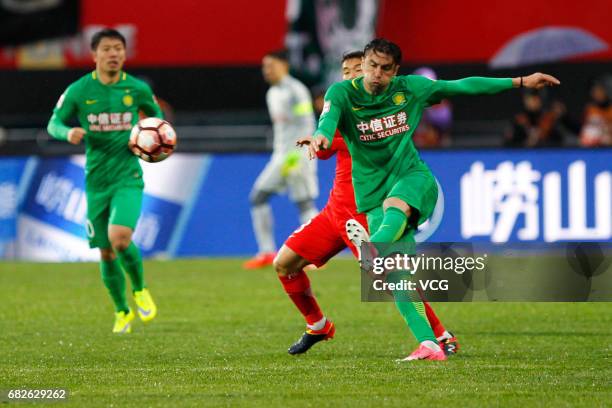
[
  {"x": 397, "y": 203},
  {"x": 107, "y": 254},
  {"x": 280, "y": 266},
  {"x": 121, "y": 241},
  {"x": 120, "y": 237},
  {"x": 121, "y": 244}
]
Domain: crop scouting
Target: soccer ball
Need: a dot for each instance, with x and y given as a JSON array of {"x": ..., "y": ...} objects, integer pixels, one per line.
[{"x": 152, "y": 139}]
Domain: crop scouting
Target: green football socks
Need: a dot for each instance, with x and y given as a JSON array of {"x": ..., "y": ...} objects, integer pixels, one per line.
[
  {"x": 392, "y": 226},
  {"x": 132, "y": 264},
  {"x": 113, "y": 279},
  {"x": 408, "y": 303},
  {"x": 411, "y": 307}
]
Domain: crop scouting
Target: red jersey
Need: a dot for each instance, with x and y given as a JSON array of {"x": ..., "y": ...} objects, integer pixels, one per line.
[
  {"x": 342, "y": 196},
  {"x": 325, "y": 235}
]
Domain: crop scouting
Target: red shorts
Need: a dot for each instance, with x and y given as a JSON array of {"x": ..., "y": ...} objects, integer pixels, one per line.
[{"x": 324, "y": 236}]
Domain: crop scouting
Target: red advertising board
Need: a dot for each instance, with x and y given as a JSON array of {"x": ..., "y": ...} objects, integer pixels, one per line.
[
  {"x": 161, "y": 32},
  {"x": 474, "y": 30},
  {"x": 239, "y": 32}
]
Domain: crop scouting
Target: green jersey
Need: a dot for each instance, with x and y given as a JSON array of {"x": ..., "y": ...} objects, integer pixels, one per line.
[
  {"x": 378, "y": 128},
  {"x": 107, "y": 113}
]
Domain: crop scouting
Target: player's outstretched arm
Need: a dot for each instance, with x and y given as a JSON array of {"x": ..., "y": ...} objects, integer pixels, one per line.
[{"x": 486, "y": 85}]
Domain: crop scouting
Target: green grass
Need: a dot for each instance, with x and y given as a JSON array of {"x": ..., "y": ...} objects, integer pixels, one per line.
[{"x": 221, "y": 336}]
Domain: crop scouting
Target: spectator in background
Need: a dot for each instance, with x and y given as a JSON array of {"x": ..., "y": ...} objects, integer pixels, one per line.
[
  {"x": 597, "y": 125},
  {"x": 540, "y": 123},
  {"x": 434, "y": 129}
]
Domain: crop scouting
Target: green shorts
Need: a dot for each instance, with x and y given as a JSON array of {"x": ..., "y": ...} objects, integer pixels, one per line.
[
  {"x": 417, "y": 188},
  {"x": 118, "y": 206}
]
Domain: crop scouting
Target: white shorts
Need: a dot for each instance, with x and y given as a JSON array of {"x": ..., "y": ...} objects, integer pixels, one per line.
[{"x": 302, "y": 182}]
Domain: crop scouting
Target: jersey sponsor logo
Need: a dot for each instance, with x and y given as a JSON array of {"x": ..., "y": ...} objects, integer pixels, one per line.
[
  {"x": 110, "y": 121},
  {"x": 398, "y": 98},
  {"x": 128, "y": 100},
  {"x": 381, "y": 128},
  {"x": 90, "y": 101}
]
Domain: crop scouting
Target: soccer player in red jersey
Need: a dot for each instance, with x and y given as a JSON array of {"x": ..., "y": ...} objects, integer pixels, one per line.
[{"x": 328, "y": 231}]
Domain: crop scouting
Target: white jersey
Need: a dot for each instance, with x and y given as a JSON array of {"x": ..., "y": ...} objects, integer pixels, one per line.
[{"x": 290, "y": 107}]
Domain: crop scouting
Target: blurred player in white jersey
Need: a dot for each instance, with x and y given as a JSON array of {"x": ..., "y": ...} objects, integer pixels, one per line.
[{"x": 290, "y": 107}]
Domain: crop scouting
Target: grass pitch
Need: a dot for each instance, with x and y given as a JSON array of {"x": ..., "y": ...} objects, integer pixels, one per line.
[{"x": 221, "y": 336}]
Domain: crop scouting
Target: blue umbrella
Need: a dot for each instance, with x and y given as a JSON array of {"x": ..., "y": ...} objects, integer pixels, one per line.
[{"x": 546, "y": 44}]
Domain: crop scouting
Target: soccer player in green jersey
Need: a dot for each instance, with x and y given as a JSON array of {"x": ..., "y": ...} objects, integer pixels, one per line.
[
  {"x": 107, "y": 102},
  {"x": 377, "y": 115}
]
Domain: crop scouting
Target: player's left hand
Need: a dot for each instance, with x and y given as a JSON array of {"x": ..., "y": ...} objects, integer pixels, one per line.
[{"x": 539, "y": 81}]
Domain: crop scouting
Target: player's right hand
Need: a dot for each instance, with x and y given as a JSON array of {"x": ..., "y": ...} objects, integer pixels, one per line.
[
  {"x": 304, "y": 141},
  {"x": 75, "y": 135}
]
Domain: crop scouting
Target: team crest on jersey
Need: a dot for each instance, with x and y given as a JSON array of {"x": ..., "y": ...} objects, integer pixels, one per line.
[
  {"x": 128, "y": 100},
  {"x": 398, "y": 98}
]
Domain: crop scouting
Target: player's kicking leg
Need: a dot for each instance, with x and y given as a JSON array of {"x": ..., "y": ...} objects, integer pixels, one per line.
[
  {"x": 392, "y": 225},
  {"x": 357, "y": 233}
]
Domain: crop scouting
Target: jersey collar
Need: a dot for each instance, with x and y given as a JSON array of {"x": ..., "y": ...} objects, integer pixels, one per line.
[{"x": 122, "y": 76}]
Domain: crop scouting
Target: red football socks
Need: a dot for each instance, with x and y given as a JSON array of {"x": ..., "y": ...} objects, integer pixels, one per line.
[
  {"x": 298, "y": 288},
  {"x": 434, "y": 322}
]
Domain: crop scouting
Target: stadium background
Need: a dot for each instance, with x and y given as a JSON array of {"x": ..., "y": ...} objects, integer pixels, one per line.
[{"x": 203, "y": 59}]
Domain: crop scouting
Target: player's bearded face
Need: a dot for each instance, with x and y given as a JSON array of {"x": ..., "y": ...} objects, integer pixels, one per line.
[
  {"x": 378, "y": 70},
  {"x": 110, "y": 55}
]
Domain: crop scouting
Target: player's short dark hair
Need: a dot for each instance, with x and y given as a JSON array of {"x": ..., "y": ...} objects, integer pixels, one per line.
[
  {"x": 106, "y": 33},
  {"x": 384, "y": 46},
  {"x": 282, "y": 55},
  {"x": 352, "y": 54}
]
